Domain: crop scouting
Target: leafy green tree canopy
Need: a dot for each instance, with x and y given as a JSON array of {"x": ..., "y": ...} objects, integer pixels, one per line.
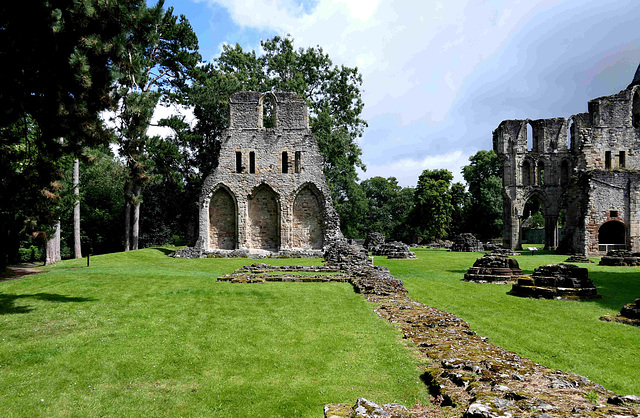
[
  {"x": 483, "y": 176},
  {"x": 433, "y": 210}
]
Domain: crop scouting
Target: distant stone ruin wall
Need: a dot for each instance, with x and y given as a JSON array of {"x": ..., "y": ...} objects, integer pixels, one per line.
[
  {"x": 268, "y": 191},
  {"x": 585, "y": 168}
]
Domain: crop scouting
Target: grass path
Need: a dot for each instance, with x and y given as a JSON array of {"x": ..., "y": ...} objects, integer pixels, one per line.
[
  {"x": 142, "y": 334},
  {"x": 566, "y": 335}
]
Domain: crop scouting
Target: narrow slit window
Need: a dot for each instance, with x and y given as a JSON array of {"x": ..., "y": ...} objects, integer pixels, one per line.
[
  {"x": 298, "y": 161},
  {"x": 621, "y": 159},
  {"x": 252, "y": 162},
  {"x": 613, "y": 214},
  {"x": 285, "y": 162},
  {"x": 607, "y": 160},
  {"x": 238, "y": 162}
]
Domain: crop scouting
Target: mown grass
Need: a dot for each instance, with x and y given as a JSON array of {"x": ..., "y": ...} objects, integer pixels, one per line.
[
  {"x": 566, "y": 335},
  {"x": 142, "y": 334}
]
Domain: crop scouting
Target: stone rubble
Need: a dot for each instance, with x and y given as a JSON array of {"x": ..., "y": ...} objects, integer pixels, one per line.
[
  {"x": 373, "y": 240},
  {"x": 466, "y": 242},
  {"x": 557, "y": 281},
  {"x": 393, "y": 249},
  {"x": 578, "y": 258},
  {"x": 493, "y": 268},
  {"x": 629, "y": 314},
  {"x": 620, "y": 258}
]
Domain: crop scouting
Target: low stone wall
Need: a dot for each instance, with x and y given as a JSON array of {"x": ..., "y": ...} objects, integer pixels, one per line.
[
  {"x": 578, "y": 258},
  {"x": 191, "y": 252},
  {"x": 557, "y": 281}
]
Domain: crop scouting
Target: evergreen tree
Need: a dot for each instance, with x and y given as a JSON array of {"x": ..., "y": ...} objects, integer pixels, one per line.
[{"x": 57, "y": 58}]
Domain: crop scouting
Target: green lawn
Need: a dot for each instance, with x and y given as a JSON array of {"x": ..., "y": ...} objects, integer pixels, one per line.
[
  {"x": 566, "y": 335},
  {"x": 143, "y": 334}
]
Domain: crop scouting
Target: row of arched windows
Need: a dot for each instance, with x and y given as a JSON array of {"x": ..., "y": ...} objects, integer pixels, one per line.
[{"x": 533, "y": 173}]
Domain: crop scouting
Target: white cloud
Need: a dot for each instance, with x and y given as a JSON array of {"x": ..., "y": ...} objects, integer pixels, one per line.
[
  {"x": 162, "y": 111},
  {"x": 407, "y": 170}
]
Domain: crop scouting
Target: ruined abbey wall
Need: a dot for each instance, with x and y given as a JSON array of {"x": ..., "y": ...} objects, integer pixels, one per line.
[
  {"x": 586, "y": 168},
  {"x": 268, "y": 191}
]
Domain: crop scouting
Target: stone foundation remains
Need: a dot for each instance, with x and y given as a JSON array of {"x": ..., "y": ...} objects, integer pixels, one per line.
[
  {"x": 493, "y": 268},
  {"x": 467, "y": 376},
  {"x": 466, "y": 243},
  {"x": 557, "y": 281},
  {"x": 629, "y": 314},
  {"x": 578, "y": 258},
  {"x": 393, "y": 249},
  {"x": 620, "y": 258}
]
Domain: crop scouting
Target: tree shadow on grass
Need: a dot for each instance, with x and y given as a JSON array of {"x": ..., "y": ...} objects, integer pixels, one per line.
[
  {"x": 8, "y": 301},
  {"x": 616, "y": 288},
  {"x": 166, "y": 251}
]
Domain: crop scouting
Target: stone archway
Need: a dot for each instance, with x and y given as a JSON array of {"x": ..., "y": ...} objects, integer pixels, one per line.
[
  {"x": 223, "y": 229},
  {"x": 263, "y": 220},
  {"x": 612, "y": 235},
  {"x": 308, "y": 220}
]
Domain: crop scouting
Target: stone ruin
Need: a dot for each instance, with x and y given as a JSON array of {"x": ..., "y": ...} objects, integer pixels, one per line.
[
  {"x": 268, "y": 192},
  {"x": 586, "y": 166},
  {"x": 577, "y": 258},
  {"x": 373, "y": 240},
  {"x": 504, "y": 251},
  {"x": 347, "y": 256},
  {"x": 556, "y": 281},
  {"x": 466, "y": 242},
  {"x": 483, "y": 380},
  {"x": 493, "y": 268},
  {"x": 629, "y": 314},
  {"x": 620, "y": 258},
  {"x": 393, "y": 249}
]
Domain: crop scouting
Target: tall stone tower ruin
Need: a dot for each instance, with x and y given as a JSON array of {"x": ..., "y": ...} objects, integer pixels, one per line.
[
  {"x": 268, "y": 192},
  {"x": 587, "y": 167}
]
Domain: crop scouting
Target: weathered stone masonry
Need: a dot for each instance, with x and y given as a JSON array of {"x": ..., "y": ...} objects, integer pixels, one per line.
[
  {"x": 268, "y": 191},
  {"x": 587, "y": 165}
]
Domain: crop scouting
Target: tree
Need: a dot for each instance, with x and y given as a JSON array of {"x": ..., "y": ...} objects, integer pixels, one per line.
[
  {"x": 432, "y": 213},
  {"x": 161, "y": 51},
  {"x": 56, "y": 75},
  {"x": 387, "y": 206},
  {"x": 332, "y": 94},
  {"x": 484, "y": 180},
  {"x": 460, "y": 200}
]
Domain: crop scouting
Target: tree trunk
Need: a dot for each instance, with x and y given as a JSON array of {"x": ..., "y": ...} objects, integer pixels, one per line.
[
  {"x": 127, "y": 216},
  {"x": 52, "y": 254},
  {"x": 136, "y": 216},
  {"x": 77, "y": 250}
]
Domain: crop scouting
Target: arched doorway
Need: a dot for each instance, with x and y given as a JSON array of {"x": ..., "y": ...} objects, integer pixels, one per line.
[
  {"x": 222, "y": 221},
  {"x": 263, "y": 226},
  {"x": 307, "y": 220},
  {"x": 612, "y": 235},
  {"x": 539, "y": 224}
]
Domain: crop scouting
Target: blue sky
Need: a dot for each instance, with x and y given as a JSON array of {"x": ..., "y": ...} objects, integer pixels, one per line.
[{"x": 439, "y": 76}]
